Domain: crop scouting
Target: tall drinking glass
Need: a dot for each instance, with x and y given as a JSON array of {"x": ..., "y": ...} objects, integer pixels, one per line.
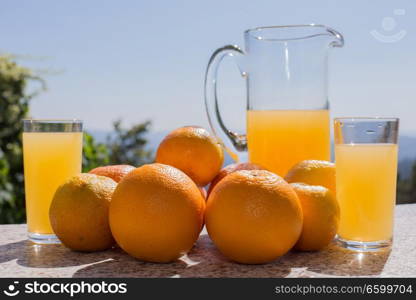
[
  {"x": 285, "y": 69},
  {"x": 52, "y": 152},
  {"x": 366, "y": 175}
]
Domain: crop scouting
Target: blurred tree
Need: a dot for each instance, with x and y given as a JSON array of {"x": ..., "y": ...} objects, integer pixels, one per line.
[
  {"x": 128, "y": 145},
  {"x": 406, "y": 188},
  {"x": 124, "y": 146},
  {"x": 14, "y": 106},
  {"x": 412, "y": 184},
  {"x": 93, "y": 154}
]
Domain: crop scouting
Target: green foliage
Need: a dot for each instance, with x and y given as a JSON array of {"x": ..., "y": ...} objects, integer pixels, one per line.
[
  {"x": 125, "y": 146},
  {"x": 14, "y": 106},
  {"x": 94, "y": 154},
  {"x": 406, "y": 188}
]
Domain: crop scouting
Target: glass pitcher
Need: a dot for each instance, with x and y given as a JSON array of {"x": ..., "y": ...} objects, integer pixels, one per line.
[{"x": 285, "y": 68}]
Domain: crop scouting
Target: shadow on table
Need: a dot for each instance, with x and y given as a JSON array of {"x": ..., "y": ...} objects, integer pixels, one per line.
[
  {"x": 336, "y": 261},
  {"x": 205, "y": 261},
  {"x": 123, "y": 265},
  {"x": 33, "y": 255},
  {"x": 332, "y": 261}
]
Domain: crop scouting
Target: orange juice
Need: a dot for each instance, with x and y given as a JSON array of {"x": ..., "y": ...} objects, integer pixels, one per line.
[
  {"x": 50, "y": 158},
  {"x": 366, "y": 190},
  {"x": 278, "y": 139}
]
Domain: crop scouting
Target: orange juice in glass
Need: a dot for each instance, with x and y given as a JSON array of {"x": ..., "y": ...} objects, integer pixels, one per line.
[
  {"x": 287, "y": 119},
  {"x": 52, "y": 151},
  {"x": 366, "y": 173}
]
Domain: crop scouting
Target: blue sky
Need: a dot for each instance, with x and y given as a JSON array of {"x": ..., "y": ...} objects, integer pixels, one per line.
[{"x": 140, "y": 60}]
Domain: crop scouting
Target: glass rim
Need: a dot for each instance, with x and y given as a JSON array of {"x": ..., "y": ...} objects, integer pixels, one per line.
[
  {"x": 366, "y": 130},
  {"x": 52, "y": 125},
  {"x": 353, "y": 119},
  {"x": 52, "y": 121},
  {"x": 326, "y": 31}
]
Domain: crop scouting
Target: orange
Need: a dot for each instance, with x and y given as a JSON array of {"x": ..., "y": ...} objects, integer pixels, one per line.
[
  {"x": 253, "y": 216},
  {"x": 156, "y": 213},
  {"x": 230, "y": 169},
  {"x": 203, "y": 191},
  {"x": 194, "y": 151},
  {"x": 115, "y": 172},
  {"x": 79, "y": 212},
  {"x": 320, "y": 216},
  {"x": 313, "y": 172}
]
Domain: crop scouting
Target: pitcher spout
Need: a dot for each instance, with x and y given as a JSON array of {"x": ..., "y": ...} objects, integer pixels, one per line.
[{"x": 337, "y": 40}]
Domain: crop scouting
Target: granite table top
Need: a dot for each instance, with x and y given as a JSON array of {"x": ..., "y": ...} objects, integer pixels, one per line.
[{"x": 21, "y": 258}]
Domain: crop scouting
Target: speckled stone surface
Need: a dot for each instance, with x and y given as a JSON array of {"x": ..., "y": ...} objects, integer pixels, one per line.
[{"x": 21, "y": 258}]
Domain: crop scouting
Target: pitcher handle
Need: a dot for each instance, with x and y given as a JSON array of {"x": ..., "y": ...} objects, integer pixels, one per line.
[{"x": 239, "y": 141}]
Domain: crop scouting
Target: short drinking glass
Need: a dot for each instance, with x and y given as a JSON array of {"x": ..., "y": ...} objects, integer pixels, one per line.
[
  {"x": 52, "y": 152},
  {"x": 366, "y": 175}
]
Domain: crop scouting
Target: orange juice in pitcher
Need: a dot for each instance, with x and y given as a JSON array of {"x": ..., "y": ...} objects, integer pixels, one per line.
[
  {"x": 285, "y": 68},
  {"x": 279, "y": 139}
]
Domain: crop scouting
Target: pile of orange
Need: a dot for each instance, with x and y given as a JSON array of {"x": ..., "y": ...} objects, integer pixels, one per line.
[{"x": 156, "y": 212}]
